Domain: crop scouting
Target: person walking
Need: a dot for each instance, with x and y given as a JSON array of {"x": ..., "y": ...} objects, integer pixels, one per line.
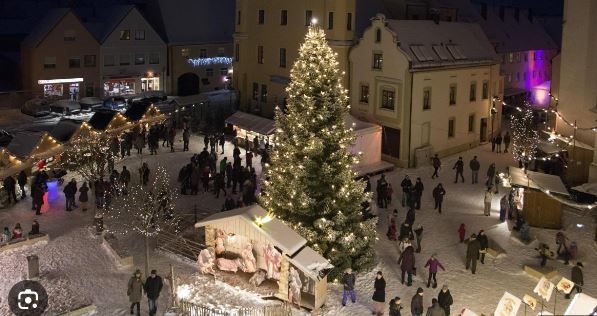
[
  {"x": 438, "y": 196},
  {"x": 484, "y": 243},
  {"x": 504, "y": 207},
  {"x": 436, "y": 163},
  {"x": 576, "y": 276},
  {"x": 459, "y": 166},
  {"x": 472, "y": 253},
  {"x": 407, "y": 264},
  {"x": 406, "y": 185},
  {"x": 348, "y": 280},
  {"x": 124, "y": 179},
  {"x": 379, "y": 295},
  {"x": 433, "y": 264},
  {"x": 416, "y": 304},
  {"x": 506, "y": 142},
  {"x": 418, "y": 237},
  {"x": 135, "y": 291},
  {"x": 475, "y": 166},
  {"x": 389, "y": 192},
  {"x": 445, "y": 300},
  {"x": 70, "y": 190},
  {"x": 487, "y": 202},
  {"x": 37, "y": 196},
  {"x": 498, "y": 143},
  {"x": 395, "y": 306},
  {"x": 186, "y": 137},
  {"x": 144, "y": 174},
  {"x": 84, "y": 196},
  {"x": 418, "y": 192},
  {"x": 490, "y": 175},
  {"x": 22, "y": 181},
  {"x": 435, "y": 309},
  {"x": 382, "y": 194},
  {"x": 461, "y": 232},
  {"x": 10, "y": 188},
  {"x": 153, "y": 287},
  {"x": 222, "y": 142},
  {"x": 171, "y": 136}
]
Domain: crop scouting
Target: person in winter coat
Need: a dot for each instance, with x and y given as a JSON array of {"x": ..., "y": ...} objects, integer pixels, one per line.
[
  {"x": 379, "y": 295},
  {"x": 153, "y": 287},
  {"x": 438, "y": 197},
  {"x": 459, "y": 166},
  {"x": 405, "y": 231},
  {"x": 490, "y": 175},
  {"x": 487, "y": 202},
  {"x": 171, "y": 136},
  {"x": 406, "y": 185},
  {"x": 416, "y": 304},
  {"x": 70, "y": 190},
  {"x": 504, "y": 208},
  {"x": 135, "y": 291},
  {"x": 395, "y": 306},
  {"x": 576, "y": 276},
  {"x": 445, "y": 300},
  {"x": 6, "y": 235},
  {"x": 436, "y": 163},
  {"x": 222, "y": 142},
  {"x": 124, "y": 179},
  {"x": 37, "y": 197},
  {"x": 498, "y": 143},
  {"x": 17, "y": 232},
  {"x": 348, "y": 280},
  {"x": 22, "y": 180},
  {"x": 389, "y": 192},
  {"x": 34, "y": 228},
  {"x": 475, "y": 166},
  {"x": 407, "y": 264},
  {"x": 186, "y": 136},
  {"x": 435, "y": 309},
  {"x": 506, "y": 142},
  {"x": 419, "y": 237},
  {"x": 84, "y": 196},
  {"x": 392, "y": 230},
  {"x": 410, "y": 216},
  {"x": 461, "y": 232},
  {"x": 418, "y": 192},
  {"x": 144, "y": 174},
  {"x": 433, "y": 264},
  {"x": 484, "y": 243},
  {"x": 9, "y": 187},
  {"x": 472, "y": 253}
]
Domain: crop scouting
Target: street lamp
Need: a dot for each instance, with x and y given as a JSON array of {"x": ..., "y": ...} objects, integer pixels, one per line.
[{"x": 493, "y": 114}]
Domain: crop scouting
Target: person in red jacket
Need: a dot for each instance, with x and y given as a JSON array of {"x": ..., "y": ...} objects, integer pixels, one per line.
[{"x": 461, "y": 232}]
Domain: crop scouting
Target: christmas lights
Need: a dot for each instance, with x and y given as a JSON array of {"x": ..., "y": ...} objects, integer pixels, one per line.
[
  {"x": 209, "y": 61},
  {"x": 525, "y": 137}
]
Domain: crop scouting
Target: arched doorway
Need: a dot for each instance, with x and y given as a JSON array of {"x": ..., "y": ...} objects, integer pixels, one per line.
[{"x": 188, "y": 84}]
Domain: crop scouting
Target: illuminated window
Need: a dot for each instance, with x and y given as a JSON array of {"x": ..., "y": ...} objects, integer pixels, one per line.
[
  {"x": 387, "y": 99},
  {"x": 364, "y": 97},
  {"x": 125, "y": 35},
  {"x": 377, "y": 61}
]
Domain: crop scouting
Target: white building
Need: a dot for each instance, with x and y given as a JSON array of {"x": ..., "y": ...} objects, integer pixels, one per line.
[{"x": 429, "y": 85}]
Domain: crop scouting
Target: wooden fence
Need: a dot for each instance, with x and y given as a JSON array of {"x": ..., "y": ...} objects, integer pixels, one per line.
[
  {"x": 190, "y": 309},
  {"x": 179, "y": 245}
]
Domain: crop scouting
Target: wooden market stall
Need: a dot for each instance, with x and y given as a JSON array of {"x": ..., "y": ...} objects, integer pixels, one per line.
[
  {"x": 9, "y": 164},
  {"x": 540, "y": 193},
  {"x": 144, "y": 113},
  {"x": 67, "y": 130},
  {"x": 279, "y": 252},
  {"x": 251, "y": 126},
  {"x": 109, "y": 121}
]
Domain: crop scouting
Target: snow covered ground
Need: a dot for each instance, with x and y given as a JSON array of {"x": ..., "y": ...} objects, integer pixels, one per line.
[{"x": 77, "y": 270}]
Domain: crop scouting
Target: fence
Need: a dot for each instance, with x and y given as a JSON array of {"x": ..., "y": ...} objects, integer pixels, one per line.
[
  {"x": 190, "y": 309},
  {"x": 179, "y": 245}
]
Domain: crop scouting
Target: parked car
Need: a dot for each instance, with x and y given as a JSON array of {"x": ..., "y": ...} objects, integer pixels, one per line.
[
  {"x": 89, "y": 103},
  {"x": 36, "y": 107},
  {"x": 117, "y": 103},
  {"x": 65, "y": 107},
  {"x": 5, "y": 138}
]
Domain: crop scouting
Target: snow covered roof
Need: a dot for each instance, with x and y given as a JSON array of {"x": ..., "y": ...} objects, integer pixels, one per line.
[
  {"x": 252, "y": 122},
  {"x": 358, "y": 125},
  {"x": 310, "y": 262},
  {"x": 581, "y": 304},
  {"x": 65, "y": 130},
  {"x": 538, "y": 181},
  {"x": 45, "y": 26},
  {"x": 195, "y": 21},
  {"x": 191, "y": 99},
  {"x": 276, "y": 231},
  {"x": 23, "y": 143},
  {"x": 430, "y": 44},
  {"x": 101, "y": 21},
  {"x": 102, "y": 118}
]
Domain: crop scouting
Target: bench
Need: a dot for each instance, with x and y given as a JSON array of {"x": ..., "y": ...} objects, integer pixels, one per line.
[{"x": 25, "y": 241}]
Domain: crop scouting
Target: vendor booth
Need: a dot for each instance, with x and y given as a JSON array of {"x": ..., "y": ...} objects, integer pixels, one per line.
[
  {"x": 367, "y": 145},
  {"x": 144, "y": 112},
  {"x": 251, "y": 126},
  {"x": 247, "y": 239},
  {"x": 67, "y": 130},
  {"x": 537, "y": 196},
  {"x": 582, "y": 304},
  {"x": 109, "y": 121},
  {"x": 9, "y": 164}
]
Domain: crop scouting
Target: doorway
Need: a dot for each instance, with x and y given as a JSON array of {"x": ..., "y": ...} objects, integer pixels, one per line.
[
  {"x": 390, "y": 142},
  {"x": 188, "y": 84},
  {"x": 483, "y": 130}
]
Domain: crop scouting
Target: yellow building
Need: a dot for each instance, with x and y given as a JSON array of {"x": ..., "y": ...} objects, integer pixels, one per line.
[
  {"x": 266, "y": 42},
  {"x": 430, "y": 85}
]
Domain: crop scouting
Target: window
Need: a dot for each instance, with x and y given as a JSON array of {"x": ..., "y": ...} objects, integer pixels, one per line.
[
  {"x": 378, "y": 36},
  {"x": 223, "y": 71},
  {"x": 237, "y": 52},
  {"x": 387, "y": 99},
  {"x": 282, "y": 57},
  {"x": 221, "y": 51},
  {"x": 511, "y": 57},
  {"x": 238, "y": 15},
  {"x": 89, "y": 60},
  {"x": 69, "y": 36},
  {"x": 473, "y": 92},
  {"x": 377, "y": 61},
  {"x": 364, "y": 97},
  {"x": 109, "y": 60},
  {"x": 49, "y": 62},
  {"x": 453, "y": 94},
  {"x": 185, "y": 52},
  {"x": 124, "y": 60},
  {"x": 284, "y": 17},
  {"x": 349, "y": 21},
  {"x": 255, "y": 91},
  {"x": 308, "y": 17},
  {"x": 261, "y": 19},
  {"x": 517, "y": 55},
  {"x": 154, "y": 58},
  {"x": 209, "y": 72},
  {"x": 526, "y": 56},
  {"x": 485, "y": 90},
  {"x": 471, "y": 123},
  {"x": 125, "y": 35},
  {"x": 263, "y": 97},
  {"x": 427, "y": 99},
  {"x": 517, "y": 76},
  {"x": 451, "y": 122},
  {"x": 139, "y": 35},
  {"x": 260, "y": 54},
  {"x": 140, "y": 59},
  {"x": 330, "y": 20}
]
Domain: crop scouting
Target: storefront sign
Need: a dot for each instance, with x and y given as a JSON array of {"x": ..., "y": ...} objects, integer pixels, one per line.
[{"x": 51, "y": 81}]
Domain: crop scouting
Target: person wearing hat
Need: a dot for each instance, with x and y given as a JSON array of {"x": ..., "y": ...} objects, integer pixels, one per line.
[
  {"x": 416, "y": 304},
  {"x": 153, "y": 287},
  {"x": 135, "y": 291},
  {"x": 395, "y": 306},
  {"x": 445, "y": 300},
  {"x": 435, "y": 309},
  {"x": 576, "y": 277}
]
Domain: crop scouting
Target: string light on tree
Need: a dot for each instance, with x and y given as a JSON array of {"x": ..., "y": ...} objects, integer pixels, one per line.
[{"x": 525, "y": 137}]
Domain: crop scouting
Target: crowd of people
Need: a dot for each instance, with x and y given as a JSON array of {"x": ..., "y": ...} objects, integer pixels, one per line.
[{"x": 17, "y": 233}]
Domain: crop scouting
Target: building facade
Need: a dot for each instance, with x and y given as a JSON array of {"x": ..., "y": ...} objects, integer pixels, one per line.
[
  {"x": 429, "y": 85},
  {"x": 266, "y": 43},
  {"x": 60, "y": 58}
]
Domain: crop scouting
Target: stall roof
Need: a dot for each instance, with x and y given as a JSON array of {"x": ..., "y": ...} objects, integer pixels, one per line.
[
  {"x": 310, "y": 262},
  {"x": 23, "y": 143},
  {"x": 581, "y": 304},
  {"x": 252, "y": 123},
  {"x": 191, "y": 99},
  {"x": 65, "y": 130},
  {"x": 136, "y": 111},
  {"x": 67, "y": 104},
  {"x": 275, "y": 230},
  {"x": 358, "y": 125},
  {"x": 537, "y": 180},
  {"x": 91, "y": 101},
  {"x": 569, "y": 141},
  {"x": 102, "y": 118}
]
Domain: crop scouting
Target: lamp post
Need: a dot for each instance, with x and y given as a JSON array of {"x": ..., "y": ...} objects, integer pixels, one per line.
[{"x": 493, "y": 113}]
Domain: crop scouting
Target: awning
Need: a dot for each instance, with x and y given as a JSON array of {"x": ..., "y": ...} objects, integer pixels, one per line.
[
  {"x": 508, "y": 92},
  {"x": 537, "y": 180},
  {"x": 252, "y": 123}
]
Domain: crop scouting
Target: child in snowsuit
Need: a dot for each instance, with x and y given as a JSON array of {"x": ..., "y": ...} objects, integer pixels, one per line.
[{"x": 461, "y": 232}]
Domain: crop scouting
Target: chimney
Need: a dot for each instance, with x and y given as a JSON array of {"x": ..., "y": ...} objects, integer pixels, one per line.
[{"x": 484, "y": 10}]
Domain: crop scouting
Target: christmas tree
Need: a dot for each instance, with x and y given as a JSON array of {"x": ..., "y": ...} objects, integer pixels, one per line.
[
  {"x": 524, "y": 136},
  {"x": 89, "y": 156},
  {"x": 310, "y": 183}
]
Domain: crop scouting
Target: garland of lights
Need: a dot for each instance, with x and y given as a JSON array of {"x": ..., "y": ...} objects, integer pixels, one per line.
[
  {"x": 525, "y": 137},
  {"x": 209, "y": 61}
]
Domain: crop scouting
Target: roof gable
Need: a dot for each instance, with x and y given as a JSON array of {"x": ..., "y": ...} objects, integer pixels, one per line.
[
  {"x": 101, "y": 119},
  {"x": 45, "y": 26},
  {"x": 101, "y": 22}
]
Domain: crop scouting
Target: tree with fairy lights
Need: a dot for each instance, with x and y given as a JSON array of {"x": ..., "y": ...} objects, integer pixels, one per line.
[
  {"x": 524, "y": 136},
  {"x": 146, "y": 210},
  {"x": 310, "y": 183},
  {"x": 89, "y": 156}
]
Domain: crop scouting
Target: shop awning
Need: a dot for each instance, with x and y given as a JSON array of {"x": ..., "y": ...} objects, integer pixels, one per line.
[
  {"x": 538, "y": 181},
  {"x": 252, "y": 123}
]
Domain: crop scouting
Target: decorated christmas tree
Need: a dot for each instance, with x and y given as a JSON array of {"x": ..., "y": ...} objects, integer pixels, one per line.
[
  {"x": 310, "y": 182},
  {"x": 89, "y": 156},
  {"x": 524, "y": 136}
]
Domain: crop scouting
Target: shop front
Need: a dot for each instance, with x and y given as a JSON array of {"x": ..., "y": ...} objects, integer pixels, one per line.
[
  {"x": 119, "y": 87},
  {"x": 60, "y": 88}
]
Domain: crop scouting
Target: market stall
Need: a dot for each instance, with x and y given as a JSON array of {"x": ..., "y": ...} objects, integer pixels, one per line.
[
  {"x": 247, "y": 239},
  {"x": 538, "y": 195},
  {"x": 251, "y": 126},
  {"x": 109, "y": 121},
  {"x": 367, "y": 145},
  {"x": 145, "y": 113},
  {"x": 582, "y": 304},
  {"x": 9, "y": 164},
  {"x": 68, "y": 129}
]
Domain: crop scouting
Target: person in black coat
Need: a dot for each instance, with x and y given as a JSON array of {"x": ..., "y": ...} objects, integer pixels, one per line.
[
  {"x": 395, "y": 306},
  {"x": 406, "y": 185},
  {"x": 70, "y": 190},
  {"x": 438, "y": 197},
  {"x": 418, "y": 192},
  {"x": 9, "y": 187},
  {"x": 410, "y": 216},
  {"x": 379, "y": 296},
  {"x": 416, "y": 304},
  {"x": 482, "y": 238},
  {"x": 153, "y": 287},
  {"x": 445, "y": 299},
  {"x": 22, "y": 180},
  {"x": 576, "y": 276},
  {"x": 459, "y": 166},
  {"x": 37, "y": 196}
]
